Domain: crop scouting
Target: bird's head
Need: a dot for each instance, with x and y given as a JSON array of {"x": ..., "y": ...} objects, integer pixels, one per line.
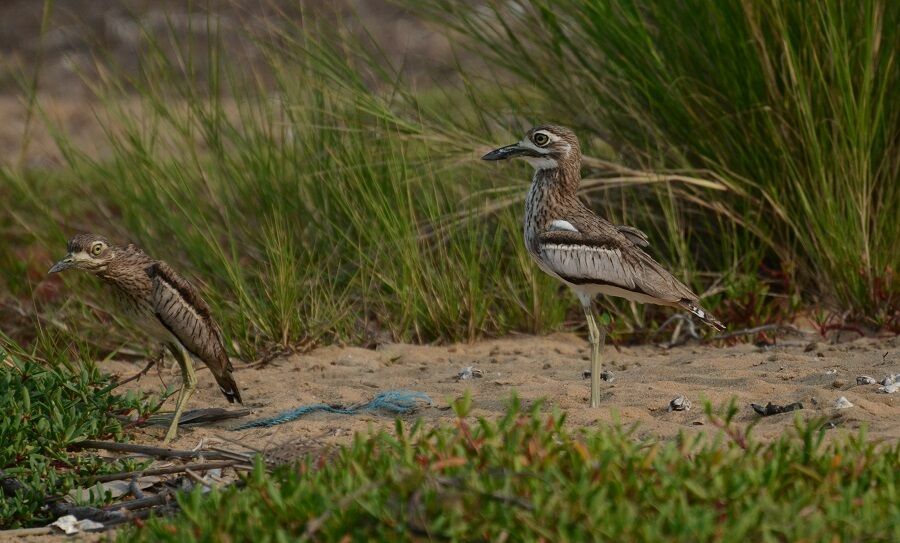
[
  {"x": 88, "y": 252},
  {"x": 545, "y": 147}
]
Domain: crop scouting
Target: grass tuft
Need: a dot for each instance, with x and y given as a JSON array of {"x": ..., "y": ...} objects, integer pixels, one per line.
[{"x": 790, "y": 103}]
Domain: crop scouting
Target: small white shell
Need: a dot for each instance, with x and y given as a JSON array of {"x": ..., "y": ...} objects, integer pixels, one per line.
[
  {"x": 842, "y": 403},
  {"x": 890, "y": 380},
  {"x": 680, "y": 404},
  {"x": 865, "y": 380},
  {"x": 469, "y": 373},
  {"x": 889, "y": 389}
]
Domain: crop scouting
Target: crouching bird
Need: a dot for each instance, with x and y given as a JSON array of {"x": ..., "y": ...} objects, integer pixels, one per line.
[
  {"x": 584, "y": 251},
  {"x": 163, "y": 304}
]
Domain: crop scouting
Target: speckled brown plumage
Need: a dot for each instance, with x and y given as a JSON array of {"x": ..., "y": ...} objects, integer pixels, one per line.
[
  {"x": 159, "y": 300},
  {"x": 586, "y": 252},
  {"x": 594, "y": 251}
]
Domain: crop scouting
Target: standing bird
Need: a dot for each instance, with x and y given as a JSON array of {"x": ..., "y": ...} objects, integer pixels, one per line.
[
  {"x": 584, "y": 251},
  {"x": 163, "y": 304}
]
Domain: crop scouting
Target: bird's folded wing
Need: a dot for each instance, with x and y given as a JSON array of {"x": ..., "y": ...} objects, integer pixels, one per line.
[
  {"x": 605, "y": 260},
  {"x": 584, "y": 259},
  {"x": 634, "y": 235},
  {"x": 180, "y": 309}
]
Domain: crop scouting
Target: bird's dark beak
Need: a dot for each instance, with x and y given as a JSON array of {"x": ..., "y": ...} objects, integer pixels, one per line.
[
  {"x": 510, "y": 151},
  {"x": 63, "y": 264}
]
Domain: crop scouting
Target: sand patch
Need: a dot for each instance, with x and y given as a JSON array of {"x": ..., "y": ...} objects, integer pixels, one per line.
[{"x": 550, "y": 368}]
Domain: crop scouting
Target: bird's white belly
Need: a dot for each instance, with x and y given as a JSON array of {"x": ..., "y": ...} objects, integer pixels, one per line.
[{"x": 589, "y": 291}]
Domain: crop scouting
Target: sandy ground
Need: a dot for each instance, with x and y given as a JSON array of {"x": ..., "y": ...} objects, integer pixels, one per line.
[{"x": 646, "y": 379}]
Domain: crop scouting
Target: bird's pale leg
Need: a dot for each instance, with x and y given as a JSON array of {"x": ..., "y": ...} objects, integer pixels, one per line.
[
  {"x": 188, "y": 384},
  {"x": 596, "y": 337}
]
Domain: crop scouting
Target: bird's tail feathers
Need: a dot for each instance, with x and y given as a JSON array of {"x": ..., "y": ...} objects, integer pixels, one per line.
[
  {"x": 702, "y": 314},
  {"x": 229, "y": 388}
]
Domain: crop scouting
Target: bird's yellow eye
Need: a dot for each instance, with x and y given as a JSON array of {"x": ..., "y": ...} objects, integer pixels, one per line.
[
  {"x": 541, "y": 139},
  {"x": 97, "y": 248}
]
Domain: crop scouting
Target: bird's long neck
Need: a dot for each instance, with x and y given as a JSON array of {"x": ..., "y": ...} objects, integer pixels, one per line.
[
  {"x": 126, "y": 271},
  {"x": 554, "y": 186},
  {"x": 553, "y": 190}
]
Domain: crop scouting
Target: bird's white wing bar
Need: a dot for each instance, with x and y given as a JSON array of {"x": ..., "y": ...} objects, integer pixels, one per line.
[
  {"x": 560, "y": 224},
  {"x": 583, "y": 264}
]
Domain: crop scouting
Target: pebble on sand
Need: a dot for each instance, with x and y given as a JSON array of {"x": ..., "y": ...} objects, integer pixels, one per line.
[
  {"x": 680, "y": 404},
  {"x": 842, "y": 403}
]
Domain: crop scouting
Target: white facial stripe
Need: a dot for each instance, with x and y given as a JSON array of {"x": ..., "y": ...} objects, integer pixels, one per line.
[
  {"x": 81, "y": 256},
  {"x": 530, "y": 145},
  {"x": 541, "y": 163},
  {"x": 560, "y": 224}
]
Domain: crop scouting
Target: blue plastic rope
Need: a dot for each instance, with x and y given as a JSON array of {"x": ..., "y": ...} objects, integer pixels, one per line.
[{"x": 400, "y": 402}]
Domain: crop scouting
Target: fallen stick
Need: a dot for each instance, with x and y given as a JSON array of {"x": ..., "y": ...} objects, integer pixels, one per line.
[
  {"x": 158, "y": 452},
  {"x": 83, "y": 512},
  {"x": 199, "y": 480},
  {"x": 160, "y": 499},
  {"x": 165, "y": 510},
  {"x": 240, "y": 457},
  {"x": 164, "y": 471}
]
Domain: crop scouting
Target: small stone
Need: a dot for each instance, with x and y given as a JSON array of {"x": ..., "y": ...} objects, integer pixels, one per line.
[
  {"x": 889, "y": 389},
  {"x": 546, "y": 365},
  {"x": 810, "y": 347},
  {"x": 832, "y": 371},
  {"x": 469, "y": 372},
  {"x": 774, "y": 409},
  {"x": 606, "y": 375},
  {"x": 842, "y": 403},
  {"x": 820, "y": 354},
  {"x": 865, "y": 380},
  {"x": 839, "y": 383},
  {"x": 680, "y": 404},
  {"x": 772, "y": 358},
  {"x": 494, "y": 361},
  {"x": 890, "y": 380}
]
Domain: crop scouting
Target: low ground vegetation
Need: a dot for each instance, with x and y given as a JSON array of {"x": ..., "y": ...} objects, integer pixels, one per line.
[
  {"x": 325, "y": 200},
  {"x": 526, "y": 477}
]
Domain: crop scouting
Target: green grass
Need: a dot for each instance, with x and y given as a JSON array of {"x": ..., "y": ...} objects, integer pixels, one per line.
[
  {"x": 528, "y": 477},
  {"x": 315, "y": 217},
  {"x": 325, "y": 200},
  {"x": 791, "y": 104},
  {"x": 340, "y": 205},
  {"x": 47, "y": 405}
]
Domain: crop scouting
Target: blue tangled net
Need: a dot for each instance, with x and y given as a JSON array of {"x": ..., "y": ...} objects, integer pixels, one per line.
[{"x": 399, "y": 402}]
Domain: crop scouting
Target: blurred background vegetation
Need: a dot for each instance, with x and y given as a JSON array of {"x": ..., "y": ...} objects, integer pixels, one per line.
[{"x": 314, "y": 166}]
